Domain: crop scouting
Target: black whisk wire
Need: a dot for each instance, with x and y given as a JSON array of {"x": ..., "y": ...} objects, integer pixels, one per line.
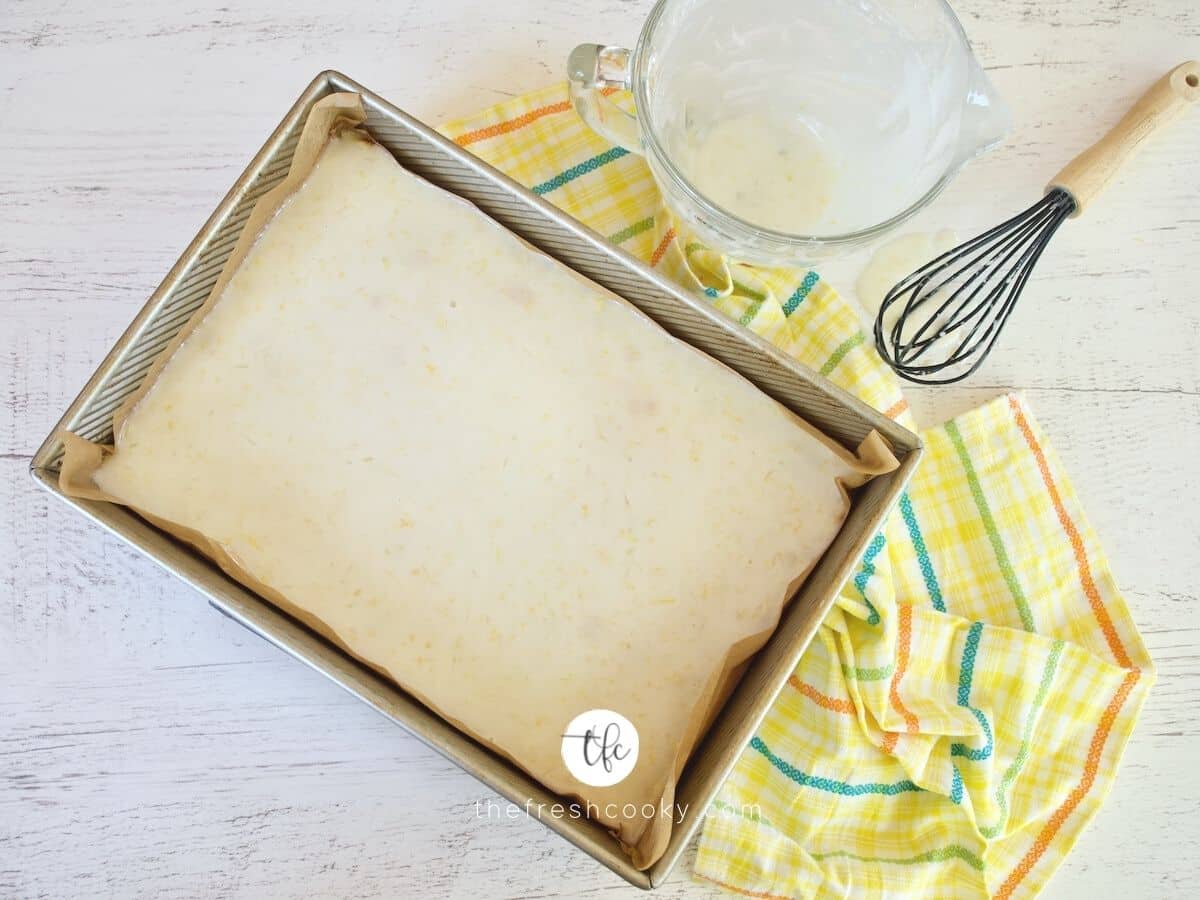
[
  {"x": 993, "y": 259},
  {"x": 980, "y": 267},
  {"x": 975, "y": 287}
]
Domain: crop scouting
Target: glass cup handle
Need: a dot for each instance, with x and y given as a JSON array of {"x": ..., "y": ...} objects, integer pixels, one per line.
[{"x": 590, "y": 69}]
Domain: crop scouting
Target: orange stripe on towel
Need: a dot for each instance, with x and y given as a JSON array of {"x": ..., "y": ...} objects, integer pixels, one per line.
[
  {"x": 911, "y": 724},
  {"x": 491, "y": 131},
  {"x": 1081, "y": 561},
  {"x": 661, "y": 250},
  {"x": 833, "y": 704},
  {"x": 1090, "y": 770},
  {"x": 889, "y": 742}
]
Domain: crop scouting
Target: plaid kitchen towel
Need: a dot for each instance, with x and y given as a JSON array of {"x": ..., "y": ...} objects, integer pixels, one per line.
[{"x": 962, "y": 713}]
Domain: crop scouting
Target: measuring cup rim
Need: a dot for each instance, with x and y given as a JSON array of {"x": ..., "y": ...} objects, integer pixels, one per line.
[{"x": 654, "y": 145}]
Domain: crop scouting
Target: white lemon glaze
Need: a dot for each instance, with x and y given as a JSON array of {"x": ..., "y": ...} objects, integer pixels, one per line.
[{"x": 484, "y": 475}]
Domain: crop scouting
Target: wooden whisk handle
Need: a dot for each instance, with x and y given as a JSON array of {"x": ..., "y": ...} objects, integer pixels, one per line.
[{"x": 1089, "y": 173}]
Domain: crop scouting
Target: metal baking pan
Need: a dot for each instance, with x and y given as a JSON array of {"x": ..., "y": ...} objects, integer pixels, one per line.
[{"x": 427, "y": 153}]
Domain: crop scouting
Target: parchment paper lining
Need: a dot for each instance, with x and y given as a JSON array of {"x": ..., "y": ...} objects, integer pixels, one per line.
[{"x": 343, "y": 114}]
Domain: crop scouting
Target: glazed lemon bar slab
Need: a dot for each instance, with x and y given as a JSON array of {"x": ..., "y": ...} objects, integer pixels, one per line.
[{"x": 481, "y": 474}]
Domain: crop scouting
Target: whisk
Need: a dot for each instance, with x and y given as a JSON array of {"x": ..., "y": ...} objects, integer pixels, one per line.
[{"x": 954, "y": 307}]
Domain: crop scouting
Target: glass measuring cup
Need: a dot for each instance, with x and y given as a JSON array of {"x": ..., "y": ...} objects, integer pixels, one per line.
[{"x": 784, "y": 132}]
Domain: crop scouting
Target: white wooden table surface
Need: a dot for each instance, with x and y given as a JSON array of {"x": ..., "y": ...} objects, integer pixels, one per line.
[{"x": 149, "y": 747}]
